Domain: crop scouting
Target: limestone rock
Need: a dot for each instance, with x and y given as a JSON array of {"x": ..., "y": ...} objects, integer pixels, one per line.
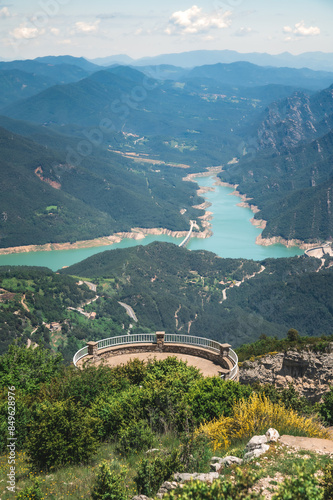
[
  {"x": 256, "y": 442},
  {"x": 207, "y": 478},
  {"x": 166, "y": 487},
  {"x": 256, "y": 452},
  {"x": 272, "y": 435},
  {"x": 140, "y": 497},
  {"x": 310, "y": 373}
]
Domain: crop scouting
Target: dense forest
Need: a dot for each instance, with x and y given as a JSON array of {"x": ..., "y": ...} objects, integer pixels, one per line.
[
  {"x": 170, "y": 289},
  {"x": 62, "y": 202},
  {"x": 195, "y": 292}
]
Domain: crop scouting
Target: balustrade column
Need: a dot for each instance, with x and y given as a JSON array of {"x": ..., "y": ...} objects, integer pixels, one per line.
[
  {"x": 92, "y": 349},
  {"x": 160, "y": 341}
]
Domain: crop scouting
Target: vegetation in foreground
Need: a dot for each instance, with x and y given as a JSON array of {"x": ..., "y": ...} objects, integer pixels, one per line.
[{"x": 98, "y": 423}]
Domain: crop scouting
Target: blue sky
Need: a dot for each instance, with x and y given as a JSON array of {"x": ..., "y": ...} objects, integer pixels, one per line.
[{"x": 100, "y": 28}]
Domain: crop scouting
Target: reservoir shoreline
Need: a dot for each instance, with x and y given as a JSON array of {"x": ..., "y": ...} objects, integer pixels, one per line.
[{"x": 140, "y": 233}]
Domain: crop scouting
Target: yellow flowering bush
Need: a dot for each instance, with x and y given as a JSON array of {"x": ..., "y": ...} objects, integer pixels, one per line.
[{"x": 255, "y": 416}]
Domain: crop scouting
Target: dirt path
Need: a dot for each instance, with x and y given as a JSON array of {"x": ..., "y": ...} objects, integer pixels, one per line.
[
  {"x": 324, "y": 446},
  {"x": 238, "y": 283},
  {"x": 24, "y": 305}
]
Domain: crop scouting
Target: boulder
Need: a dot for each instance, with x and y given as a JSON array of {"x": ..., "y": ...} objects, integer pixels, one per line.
[
  {"x": 272, "y": 435},
  {"x": 256, "y": 452},
  {"x": 140, "y": 497},
  {"x": 256, "y": 442},
  {"x": 166, "y": 487},
  {"x": 196, "y": 476},
  {"x": 226, "y": 462}
]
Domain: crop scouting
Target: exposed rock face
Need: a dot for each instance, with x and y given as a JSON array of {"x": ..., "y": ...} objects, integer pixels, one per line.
[
  {"x": 297, "y": 118},
  {"x": 311, "y": 374}
]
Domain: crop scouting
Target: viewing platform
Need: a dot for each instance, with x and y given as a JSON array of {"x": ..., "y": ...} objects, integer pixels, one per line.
[{"x": 209, "y": 356}]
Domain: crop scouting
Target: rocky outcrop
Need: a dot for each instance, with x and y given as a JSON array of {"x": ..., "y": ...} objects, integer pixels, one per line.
[
  {"x": 298, "y": 118},
  {"x": 311, "y": 374}
]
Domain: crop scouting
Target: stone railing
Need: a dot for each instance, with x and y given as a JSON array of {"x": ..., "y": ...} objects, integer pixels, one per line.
[{"x": 221, "y": 354}]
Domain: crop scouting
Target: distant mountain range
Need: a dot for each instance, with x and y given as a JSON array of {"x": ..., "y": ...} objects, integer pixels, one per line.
[
  {"x": 188, "y": 118},
  {"x": 314, "y": 60}
]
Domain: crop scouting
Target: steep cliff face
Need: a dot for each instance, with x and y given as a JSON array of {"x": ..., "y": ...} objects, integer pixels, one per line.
[
  {"x": 296, "y": 119},
  {"x": 290, "y": 176},
  {"x": 311, "y": 374}
]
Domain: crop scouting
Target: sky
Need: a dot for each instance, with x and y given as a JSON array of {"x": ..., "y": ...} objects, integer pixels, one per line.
[{"x": 101, "y": 28}]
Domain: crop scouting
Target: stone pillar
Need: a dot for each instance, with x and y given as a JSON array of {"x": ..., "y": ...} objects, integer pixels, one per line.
[
  {"x": 92, "y": 348},
  {"x": 160, "y": 341},
  {"x": 224, "y": 350}
]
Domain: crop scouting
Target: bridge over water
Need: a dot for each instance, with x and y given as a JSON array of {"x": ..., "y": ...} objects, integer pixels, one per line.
[{"x": 188, "y": 236}]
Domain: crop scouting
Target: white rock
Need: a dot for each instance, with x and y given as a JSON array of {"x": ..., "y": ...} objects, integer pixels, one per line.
[
  {"x": 272, "y": 435},
  {"x": 208, "y": 478},
  {"x": 256, "y": 442},
  {"x": 230, "y": 460},
  {"x": 256, "y": 452}
]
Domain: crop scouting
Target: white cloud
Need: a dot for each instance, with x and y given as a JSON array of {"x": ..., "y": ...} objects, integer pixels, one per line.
[
  {"x": 244, "y": 31},
  {"x": 55, "y": 31},
  {"x": 4, "y": 12},
  {"x": 67, "y": 41},
  {"x": 86, "y": 28},
  {"x": 26, "y": 32},
  {"x": 301, "y": 30},
  {"x": 194, "y": 20}
]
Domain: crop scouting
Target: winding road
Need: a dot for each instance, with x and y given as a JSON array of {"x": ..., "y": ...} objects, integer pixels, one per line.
[{"x": 129, "y": 311}]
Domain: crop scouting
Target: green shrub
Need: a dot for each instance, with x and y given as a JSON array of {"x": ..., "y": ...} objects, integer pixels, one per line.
[
  {"x": 327, "y": 482},
  {"x": 22, "y": 418},
  {"x": 212, "y": 397},
  {"x": 27, "y": 368},
  {"x": 109, "y": 485},
  {"x": 301, "y": 486},
  {"x": 31, "y": 492},
  {"x": 60, "y": 434},
  {"x": 289, "y": 397},
  {"x": 293, "y": 335},
  {"x": 136, "y": 436},
  {"x": 153, "y": 472},
  {"x": 118, "y": 411},
  {"x": 196, "y": 453},
  {"x": 326, "y": 408},
  {"x": 238, "y": 489}
]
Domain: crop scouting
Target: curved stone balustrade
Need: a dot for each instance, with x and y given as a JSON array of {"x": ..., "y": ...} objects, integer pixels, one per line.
[{"x": 159, "y": 342}]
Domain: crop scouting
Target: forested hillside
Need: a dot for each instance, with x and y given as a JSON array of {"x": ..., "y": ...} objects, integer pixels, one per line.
[
  {"x": 169, "y": 288},
  {"x": 179, "y": 291},
  {"x": 47, "y": 199},
  {"x": 289, "y": 173},
  {"x": 34, "y": 309}
]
